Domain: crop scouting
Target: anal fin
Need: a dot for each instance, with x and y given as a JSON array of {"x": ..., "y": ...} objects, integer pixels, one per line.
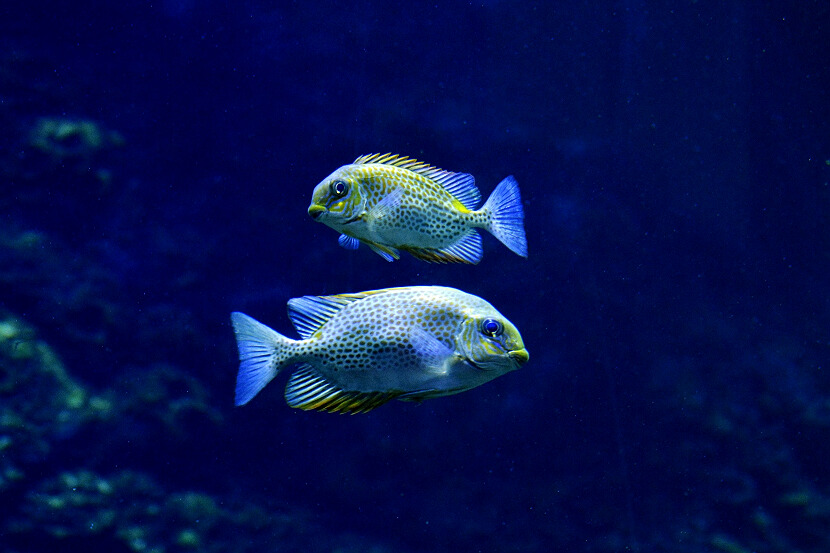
[
  {"x": 466, "y": 250},
  {"x": 309, "y": 391}
]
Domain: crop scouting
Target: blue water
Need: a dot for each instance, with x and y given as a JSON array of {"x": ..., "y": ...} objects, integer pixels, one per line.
[{"x": 157, "y": 161}]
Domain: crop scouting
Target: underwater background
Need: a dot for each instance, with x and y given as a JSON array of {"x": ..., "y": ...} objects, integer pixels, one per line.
[{"x": 156, "y": 163}]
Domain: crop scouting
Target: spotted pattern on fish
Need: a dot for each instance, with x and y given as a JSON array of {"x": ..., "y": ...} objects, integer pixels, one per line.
[
  {"x": 392, "y": 203},
  {"x": 358, "y": 351}
]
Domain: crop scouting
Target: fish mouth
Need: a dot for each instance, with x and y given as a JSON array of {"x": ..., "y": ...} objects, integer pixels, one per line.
[
  {"x": 519, "y": 356},
  {"x": 315, "y": 210}
]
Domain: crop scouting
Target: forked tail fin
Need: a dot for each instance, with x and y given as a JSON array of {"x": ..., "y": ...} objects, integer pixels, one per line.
[
  {"x": 262, "y": 353},
  {"x": 507, "y": 216}
]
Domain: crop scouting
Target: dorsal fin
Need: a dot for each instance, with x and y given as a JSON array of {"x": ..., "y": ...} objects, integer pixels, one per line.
[
  {"x": 460, "y": 185},
  {"x": 309, "y": 313}
]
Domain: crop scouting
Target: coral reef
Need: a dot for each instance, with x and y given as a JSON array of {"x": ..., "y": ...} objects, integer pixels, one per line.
[
  {"x": 75, "y": 151},
  {"x": 42, "y": 409},
  {"x": 128, "y": 511},
  {"x": 40, "y": 404}
]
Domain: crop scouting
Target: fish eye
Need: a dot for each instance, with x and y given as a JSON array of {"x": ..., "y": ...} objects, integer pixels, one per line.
[
  {"x": 491, "y": 328},
  {"x": 339, "y": 188}
]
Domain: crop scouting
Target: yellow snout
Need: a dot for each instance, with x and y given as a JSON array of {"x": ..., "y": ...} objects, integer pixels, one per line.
[
  {"x": 520, "y": 356},
  {"x": 315, "y": 210}
]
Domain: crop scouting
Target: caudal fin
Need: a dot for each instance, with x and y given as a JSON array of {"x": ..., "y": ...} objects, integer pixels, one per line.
[
  {"x": 507, "y": 216},
  {"x": 262, "y": 353}
]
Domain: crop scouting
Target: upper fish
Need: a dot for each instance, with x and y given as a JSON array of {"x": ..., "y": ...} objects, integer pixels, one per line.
[
  {"x": 359, "y": 351},
  {"x": 391, "y": 203}
]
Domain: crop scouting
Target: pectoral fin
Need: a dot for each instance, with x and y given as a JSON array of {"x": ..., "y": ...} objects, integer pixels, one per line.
[
  {"x": 433, "y": 352},
  {"x": 386, "y": 205}
]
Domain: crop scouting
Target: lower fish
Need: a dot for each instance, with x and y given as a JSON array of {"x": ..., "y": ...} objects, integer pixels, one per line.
[{"x": 358, "y": 351}]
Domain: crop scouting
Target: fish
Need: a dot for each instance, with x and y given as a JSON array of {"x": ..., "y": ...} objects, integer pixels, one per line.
[
  {"x": 391, "y": 203},
  {"x": 358, "y": 351}
]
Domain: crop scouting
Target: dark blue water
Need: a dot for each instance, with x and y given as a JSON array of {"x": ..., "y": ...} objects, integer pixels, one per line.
[{"x": 156, "y": 163}]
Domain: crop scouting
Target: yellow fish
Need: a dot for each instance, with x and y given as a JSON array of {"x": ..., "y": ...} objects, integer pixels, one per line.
[
  {"x": 393, "y": 203},
  {"x": 360, "y": 350}
]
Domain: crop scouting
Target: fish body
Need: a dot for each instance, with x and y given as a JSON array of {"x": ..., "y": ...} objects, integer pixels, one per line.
[
  {"x": 393, "y": 203},
  {"x": 358, "y": 351}
]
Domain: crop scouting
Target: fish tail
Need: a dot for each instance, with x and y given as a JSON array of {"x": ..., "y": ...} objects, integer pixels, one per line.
[
  {"x": 506, "y": 217},
  {"x": 262, "y": 353}
]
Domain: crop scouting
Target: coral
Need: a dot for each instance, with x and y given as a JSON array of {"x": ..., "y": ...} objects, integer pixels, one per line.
[
  {"x": 171, "y": 407},
  {"x": 128, "y": 511},
  {"x": 75, "y": 148},
  {"x": 39, "y": 402},
  {"x": 64, "y": 139},
  {"x": 42, "y": 407},
  {"x": 62, "y": 168},
  {"x": 61, "y": 292}
]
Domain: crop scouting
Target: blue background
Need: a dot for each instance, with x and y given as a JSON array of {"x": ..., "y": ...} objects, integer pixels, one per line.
[{"x": 674, "y": 160}]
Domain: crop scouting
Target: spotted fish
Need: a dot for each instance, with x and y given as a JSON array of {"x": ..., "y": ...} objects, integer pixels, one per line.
[
  {"x": 393, "y": 203},
  {"x": 359, "y": 351}
]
